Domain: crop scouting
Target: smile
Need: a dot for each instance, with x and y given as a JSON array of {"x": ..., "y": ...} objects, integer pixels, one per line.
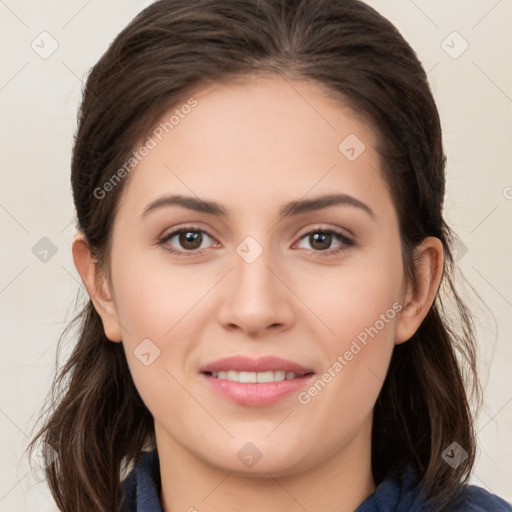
[
  {"x": 255, "y": 382},
  {"x": 269, "y": 376}
]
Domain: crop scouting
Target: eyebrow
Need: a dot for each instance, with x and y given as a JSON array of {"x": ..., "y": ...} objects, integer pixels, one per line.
[{"x": 290, "y": 209}]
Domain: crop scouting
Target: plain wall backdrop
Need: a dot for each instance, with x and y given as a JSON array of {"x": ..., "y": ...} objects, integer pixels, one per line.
[{"x": 48, "y": 47}]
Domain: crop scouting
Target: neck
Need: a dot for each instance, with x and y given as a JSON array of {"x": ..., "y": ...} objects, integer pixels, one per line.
[{"x": 341, "y": 482}]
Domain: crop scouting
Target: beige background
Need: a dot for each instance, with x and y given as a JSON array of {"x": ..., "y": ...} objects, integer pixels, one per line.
[{"x": 38, "y": 104}]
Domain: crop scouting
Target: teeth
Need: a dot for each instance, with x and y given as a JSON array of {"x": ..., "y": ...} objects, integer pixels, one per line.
[
  {"x": 254, "y": 376},
  {"x": 245, "y": 376},
  {"x": 231, "y": 375},
  {"x": 267, "y": 376}
]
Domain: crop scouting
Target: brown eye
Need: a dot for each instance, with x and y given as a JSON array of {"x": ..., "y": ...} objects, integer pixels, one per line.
[
  {"x": 190, "y": 240},
  {"x": 185, "y": 241},
  {"x": 320, "y": 240}
]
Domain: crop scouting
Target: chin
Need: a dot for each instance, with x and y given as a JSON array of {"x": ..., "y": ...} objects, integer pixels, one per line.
[{"x": 257, "y": 462}]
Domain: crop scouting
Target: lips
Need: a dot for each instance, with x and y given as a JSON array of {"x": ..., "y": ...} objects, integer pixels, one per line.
[
  {"x": 256, "y": 382},
  {"x": 263, "y": 364}
]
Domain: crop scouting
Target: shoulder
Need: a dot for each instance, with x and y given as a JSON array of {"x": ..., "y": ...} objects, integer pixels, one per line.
[
  {"x": 399, "y": 493},
  {"x": 476, "y": 499},
  {"x": 141, "y": 488}
]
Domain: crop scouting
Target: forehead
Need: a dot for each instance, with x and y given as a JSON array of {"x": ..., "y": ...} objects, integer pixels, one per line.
[{"x": 265, "y": 137}]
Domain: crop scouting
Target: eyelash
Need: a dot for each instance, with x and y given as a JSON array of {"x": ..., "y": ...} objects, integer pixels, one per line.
[{"x": 346, "y": 241}]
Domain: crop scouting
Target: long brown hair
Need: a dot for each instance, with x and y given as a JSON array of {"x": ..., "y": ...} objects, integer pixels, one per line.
[{"x": 95, "y": 419}]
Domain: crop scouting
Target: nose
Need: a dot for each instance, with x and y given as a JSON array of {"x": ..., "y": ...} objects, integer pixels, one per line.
[{"x": 255, "y": 297}]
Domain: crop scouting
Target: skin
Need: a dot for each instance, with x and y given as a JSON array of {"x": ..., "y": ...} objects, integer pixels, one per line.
[{"x": 252, "y": 147}]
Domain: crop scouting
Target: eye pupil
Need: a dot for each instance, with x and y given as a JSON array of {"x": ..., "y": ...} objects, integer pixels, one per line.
[
  {"x": 323, "y": 238},
  {"x": 190, "y": 237}
]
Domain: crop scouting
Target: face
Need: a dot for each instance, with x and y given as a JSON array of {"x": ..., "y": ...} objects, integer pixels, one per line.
[{"x": 290, "y": 287}]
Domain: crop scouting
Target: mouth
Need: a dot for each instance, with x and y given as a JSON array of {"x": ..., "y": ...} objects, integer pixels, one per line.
[
  {"x": 255, "y": 377},
  {"x": 256, "y": 382}
]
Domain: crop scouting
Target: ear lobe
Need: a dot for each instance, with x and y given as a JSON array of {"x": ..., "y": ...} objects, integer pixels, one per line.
[
  {"x": 97, "y": 286},
  {"x": 428, "y": 261}
]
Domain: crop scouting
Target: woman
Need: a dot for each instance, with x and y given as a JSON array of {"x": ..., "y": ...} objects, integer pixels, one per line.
[{"x": 272, "y": 320}]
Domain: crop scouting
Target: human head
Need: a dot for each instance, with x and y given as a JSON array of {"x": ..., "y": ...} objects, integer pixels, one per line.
[{"x": 143, "y": 75}]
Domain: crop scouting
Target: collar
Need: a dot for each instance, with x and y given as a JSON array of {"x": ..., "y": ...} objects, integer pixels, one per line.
[{"x": 397, "y": 493}]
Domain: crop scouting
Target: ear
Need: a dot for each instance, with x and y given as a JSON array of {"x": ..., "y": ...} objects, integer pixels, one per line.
[
  {"x": 97, "y": 286},
  {"x": 428, "y": 263}
]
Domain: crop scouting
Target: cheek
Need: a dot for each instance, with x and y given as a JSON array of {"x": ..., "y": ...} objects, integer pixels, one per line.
[
  {"x": 358, "y": 352},
  {"x": 159, "y": 306},
  {"x": 357, "y": 357},
  {"x": 154, "y": 297},
  {"x": 357, "y": 296},
  {"x": 361, "y": 310}
]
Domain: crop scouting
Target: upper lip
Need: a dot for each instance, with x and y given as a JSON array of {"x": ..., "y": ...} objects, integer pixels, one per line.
[{"x": 262, "y": 364}]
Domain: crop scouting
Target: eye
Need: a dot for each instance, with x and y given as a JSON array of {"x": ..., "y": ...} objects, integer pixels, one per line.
[
  {"x": 190, "y": 239},
  {"x": 321, "y": 239}
]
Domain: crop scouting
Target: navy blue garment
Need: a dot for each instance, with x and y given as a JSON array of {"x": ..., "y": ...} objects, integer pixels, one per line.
[{"x": 141, "y": 491}]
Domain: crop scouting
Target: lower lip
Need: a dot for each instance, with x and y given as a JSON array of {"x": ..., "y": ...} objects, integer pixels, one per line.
[{"x": 257, "y": 393}]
